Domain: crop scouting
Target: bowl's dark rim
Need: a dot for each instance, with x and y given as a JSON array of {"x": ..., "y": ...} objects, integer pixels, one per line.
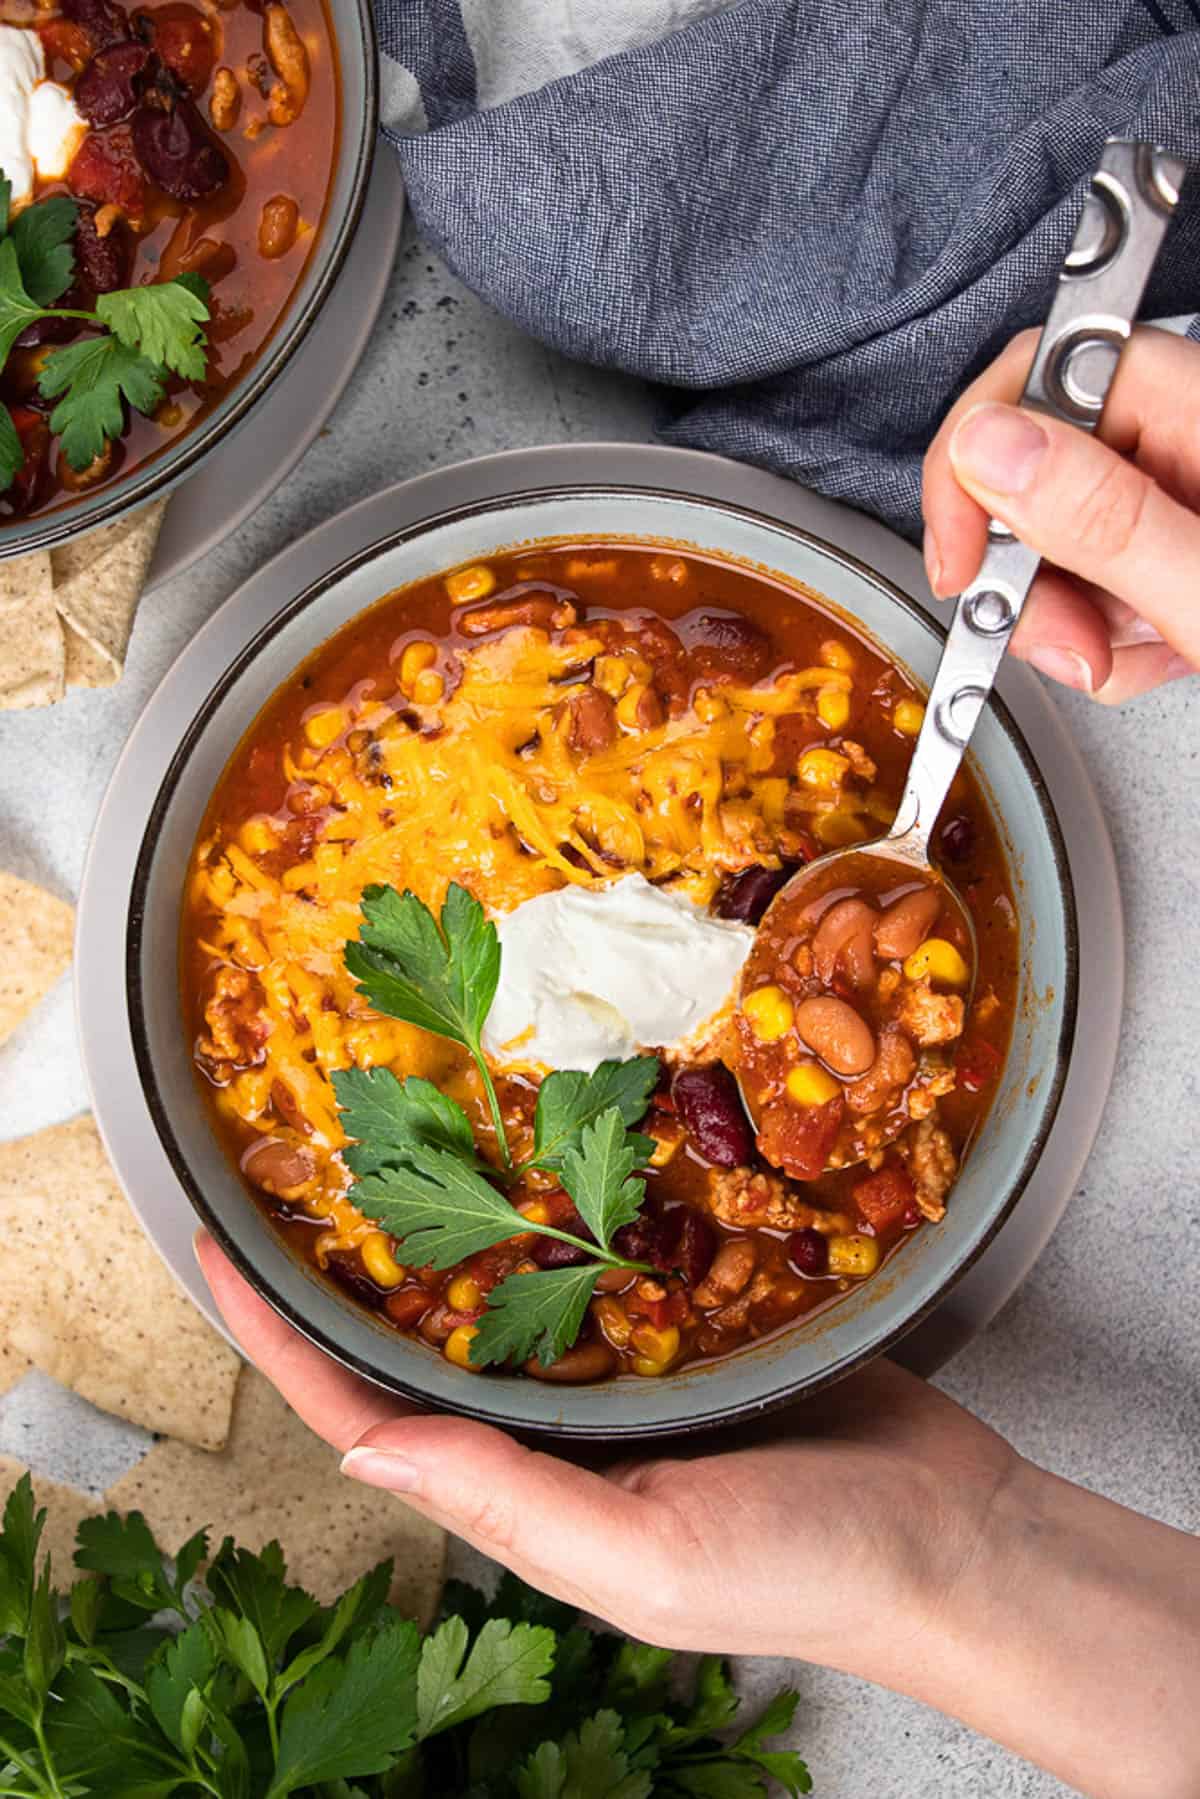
[
  {"x": 175, "y": 463},
  {"x": 742, "y": 1410}
]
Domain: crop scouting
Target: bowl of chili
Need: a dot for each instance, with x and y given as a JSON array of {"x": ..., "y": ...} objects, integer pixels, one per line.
[
  {"x": 551, "y": 698},
  {"x": 185, "y": 184}
]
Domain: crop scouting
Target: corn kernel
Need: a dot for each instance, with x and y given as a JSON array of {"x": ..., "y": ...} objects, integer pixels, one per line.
[
  {"x": 428, "y": 688},
  {"x": 457, "y": 1347},
  {"x": 770, "y": 1012},
  {"x": 464, "y": 1294},
  {"x": 837, "y": 829},
  {"x": 822, "y": 768},
  {"x": 835, "y": 654},
  {"x": 937, "y": 960},
  {"x": 611, "y": 676},
  {"x": 379, "y": 1262},
  {"x": 627, "y": 706},
  {"x": 833, "y": 708},
  {"x": 908, "y": 716},
  {"x": 474, "y": 583},
  {"x": 708, "y": 706},
  {"x": 258, "y": 836},
  {"x": 656, "y": 1348},
  {"x": 416, "y": 657},
  {"x": 535, "y": 1212},
  {"x": 809, "y": 1085},
  {"x": 854, "y": 1255},
  {"x": 321, "y": 728}
]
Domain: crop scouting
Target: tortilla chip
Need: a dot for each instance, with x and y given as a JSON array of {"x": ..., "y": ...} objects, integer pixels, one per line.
[
  {"x": 98, "y": 581},
  {"x": 36, "y": 931},
  {"x": 66, "y": 1509},
  {"x": 276, "y": 1479},
  {"x": 13, "y": 1368},
  {"x": 85, "y": 666},
  {"x": 32, "y": 658},
  {"x": 84, "y": 1295}
]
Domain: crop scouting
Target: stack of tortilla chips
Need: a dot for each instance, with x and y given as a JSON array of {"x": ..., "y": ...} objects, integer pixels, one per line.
[
  {"x": 85, "y": 1298},
  {"x": 66, "y": 614}
]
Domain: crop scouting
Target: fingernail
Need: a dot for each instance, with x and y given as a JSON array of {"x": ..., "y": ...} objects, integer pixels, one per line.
[
  {"x": 381, "y": 1468},
  {"x": 933, "y": 561},
  {"x": 1065, "y": 666},
  {"x": 1135, "y": 630},
  {"x": 1177, "y": 667},
  {"x": 999, "y": 447}
]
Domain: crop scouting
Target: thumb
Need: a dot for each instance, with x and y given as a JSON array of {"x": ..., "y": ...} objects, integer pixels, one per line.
[
  {"x": 1088, "y": 510},
  {"x": 565, "y": 1529}
]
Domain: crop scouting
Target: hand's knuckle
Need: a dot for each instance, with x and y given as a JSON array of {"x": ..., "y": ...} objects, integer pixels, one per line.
[
  {"x": 1106, "y": 512},
  {"x": 490, "y": 1515}
]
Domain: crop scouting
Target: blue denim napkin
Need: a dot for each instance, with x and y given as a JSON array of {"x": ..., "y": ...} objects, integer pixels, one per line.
[{"x": 811, "y": 221}]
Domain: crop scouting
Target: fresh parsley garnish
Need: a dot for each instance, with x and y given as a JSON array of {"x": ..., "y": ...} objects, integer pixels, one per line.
[
  {"x": 419, "y": 1173},
  {"x": 142, "y": 335},
  {"x": 153, "y": 1681}
]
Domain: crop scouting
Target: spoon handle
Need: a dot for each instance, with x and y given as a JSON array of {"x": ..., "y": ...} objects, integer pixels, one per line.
[{"x": 1100, "y": 286}]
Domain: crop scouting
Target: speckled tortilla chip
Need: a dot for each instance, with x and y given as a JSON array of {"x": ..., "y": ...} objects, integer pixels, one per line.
[
  {"x": 32, "y": 657},
  {"x": 13, "y": 1368},
  {"x": 98, "y": 581},
  {"x": 85, "y": 666},
  {"x": 85, "y": 1297},
  {"x": 36, "y": 930},
  {"x": 276, "y": 1479},
  {"x": 65, "y": 1511}
]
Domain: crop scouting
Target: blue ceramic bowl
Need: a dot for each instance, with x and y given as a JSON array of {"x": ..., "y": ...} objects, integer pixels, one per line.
[{"x": 808, "y": 1355}]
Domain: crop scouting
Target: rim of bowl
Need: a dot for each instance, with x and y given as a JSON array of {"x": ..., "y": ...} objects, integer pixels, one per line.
[
  {"x": 740, "y": 1411},
  {"x": 356, "y": 150}
]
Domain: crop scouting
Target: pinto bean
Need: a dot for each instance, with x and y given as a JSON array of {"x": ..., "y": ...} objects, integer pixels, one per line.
[
  {"x": 277, "y": 1167},
  {"x": 277, "y": 226},
  {"x": 176, "y": 150},
  {"x": 289, "y": 59},
  {"x": 708, "y": 1101},
  {"x": 593, "y": 725},
  {"x": 225, "y": 101},
  {"x": 110, "y": 87},
  {"x": 75, "y": 480},
  {"x": 540, "y": 609},
  {"x": 729, "y": 1273},
  {"x": 584, "y": 1362},
  {"x": 844, "y": 934},
  {"x": 837, "y": 1033},
  {"x": 906, "y": 924}
]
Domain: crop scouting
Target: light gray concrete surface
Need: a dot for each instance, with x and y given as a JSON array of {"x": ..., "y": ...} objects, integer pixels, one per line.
[{"x": 1093, "y": 1369}]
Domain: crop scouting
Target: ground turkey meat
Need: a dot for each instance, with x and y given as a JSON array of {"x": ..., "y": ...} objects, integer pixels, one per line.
[
  {"x": 887, "y": 1076},
  {"x": 932, "y": 1164},
  {"x": 931, "y": 1017},
  {"x": 750, "y": 1200},
  {"x": 236, "y": 1027}
]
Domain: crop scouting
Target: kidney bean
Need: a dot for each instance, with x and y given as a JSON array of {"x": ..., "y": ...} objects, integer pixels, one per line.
[
  {"x": 45, "y": 331},
  {"x": 277, "y": 226},
  {"x": 103, "y": 22},
  {"x": 177, "y": 152},
  {"x": 276, "y": 1166},
  {"x": 837, "y": 1033},
  {"x": 647, "y": 1239},
  {"x": 183, "y": 38},
  {"x": 583, "y": 1362},
  {"x": 746, "y": 895},
  {"x": 695, "y": 1246},
  {"x": 110, "y": 87},
  {"x": 708, "y": 1101},
  {"x": 808, "y": 1252},
  {"x": 724, "y": 643},
  {"x": 593, "y": 725},
  {"x": 957, "y": 838},
  {"x": 905, "y": 925},
  {"x": 104, "y": 263},
  {"x": 844, "y": 935},
  {"x": 549, "y": 1252}
]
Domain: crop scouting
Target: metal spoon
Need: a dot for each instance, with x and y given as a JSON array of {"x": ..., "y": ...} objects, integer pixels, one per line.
[{"x": 1100, "y": 286}]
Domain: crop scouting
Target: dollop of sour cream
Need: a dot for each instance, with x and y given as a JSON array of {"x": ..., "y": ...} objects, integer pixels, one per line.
[
  {"x": 592, "y": 973},
  {"x": 40, "y": 128}
]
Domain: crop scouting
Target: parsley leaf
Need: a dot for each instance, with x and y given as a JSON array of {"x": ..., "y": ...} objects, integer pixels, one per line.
[
  {"x": 42, "y": 236},
  {"x": 508, "y": 1665},
  {"x": 530, "y": 1313},
  {"x": 95, "y": 377},
  {"x": 568, "y": 1100},
  {"x": 438, "y": 1206},
  {"x": 23, "y": 1524},
  {"x": 390, "y": 1118},
  {"x": 254, "y": 1587},
  {"x": 17, "y": 308},
  {"x": 598, "y": 1174},
  {"x": 351, "y": 1717},
  {"x": 182, "y": 1668},
  {"x": 162, "y": 320},
  {"x": 12, "y": 452},
  {"x": 5, "y": 201},
  {"x": 591, "y": 1763},
  {"x": 440, "y": 977},
  {"x": 125, "y": 1550}
]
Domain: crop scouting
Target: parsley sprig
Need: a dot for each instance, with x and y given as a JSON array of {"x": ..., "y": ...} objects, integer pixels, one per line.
[
  {"x": 150, "y": 1679},
  {"x": 418, "y": 1170},
  {"x": 144, "y": 335}
]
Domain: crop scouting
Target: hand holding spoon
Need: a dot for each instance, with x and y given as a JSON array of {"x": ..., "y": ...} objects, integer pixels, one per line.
[{"x": 822, "y": 908}]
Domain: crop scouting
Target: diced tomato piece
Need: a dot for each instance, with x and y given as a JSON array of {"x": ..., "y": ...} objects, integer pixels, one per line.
[
  {"x": 673, "y": 1308},
  {"x": 184, "y": 40},
  {"x": 407, "y": 1306},
  {"x": 884, "y": 1196},
  {"x": 976, "y": 1065},
  {"x": 106, "y": 170},
  {"x": 799, "y": 1138},
  {"x": 67, "y": 44}
]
